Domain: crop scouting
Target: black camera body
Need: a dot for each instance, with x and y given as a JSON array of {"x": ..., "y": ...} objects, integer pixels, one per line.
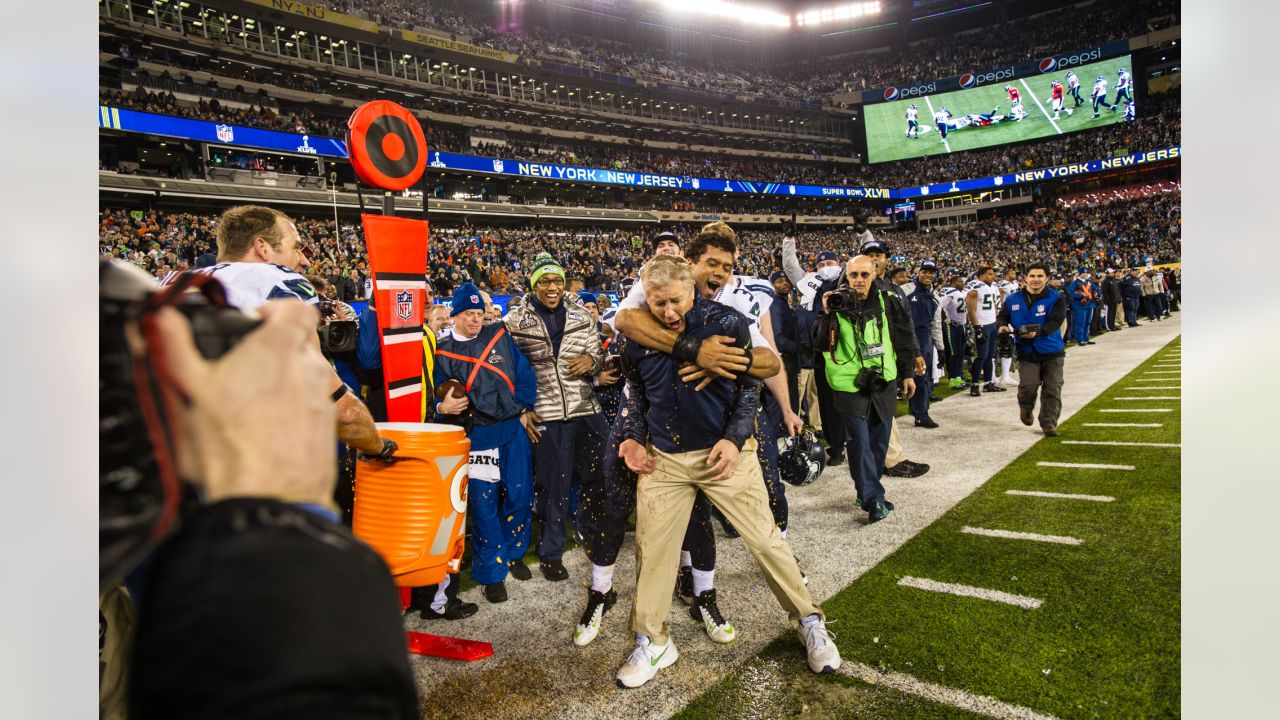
[
  {"x": 871, "y": 379},
  {"x": 336, "y": 336},
  {"x": 842, "y": 299}
]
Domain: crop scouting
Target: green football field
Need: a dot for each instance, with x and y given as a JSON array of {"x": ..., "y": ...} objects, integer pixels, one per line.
[
  {"x": 887, "y": 126},
  {"x": 1079, "y": 620}
]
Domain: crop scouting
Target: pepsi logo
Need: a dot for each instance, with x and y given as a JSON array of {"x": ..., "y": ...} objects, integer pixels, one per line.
[
  {"x": 1048, "y": 64},
  {"x": 890, "y": 94},
  {"x": 966, "y": 80}
]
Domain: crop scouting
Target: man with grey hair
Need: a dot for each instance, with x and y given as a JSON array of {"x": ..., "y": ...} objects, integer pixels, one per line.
[{"x": 701, "y": 440}]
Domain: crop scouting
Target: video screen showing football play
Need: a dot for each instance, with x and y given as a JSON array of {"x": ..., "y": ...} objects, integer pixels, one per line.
[{"x": 986, "y": 116}]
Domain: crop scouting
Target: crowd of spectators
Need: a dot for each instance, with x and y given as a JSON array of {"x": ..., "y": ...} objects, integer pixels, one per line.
[
  {"x": 975, "y": 51},
  {"x": 1111, "y": 229}
]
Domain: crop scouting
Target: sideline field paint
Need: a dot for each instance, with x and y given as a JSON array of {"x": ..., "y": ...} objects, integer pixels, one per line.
[
  {"x": 1086, "y": 466},
  {"x": 1064, "y": 496},
  {"x": 1150, "y": 397},
  {"x": 1154, "y": 387},
  {"x": 977, "y": 704},
  {"x": 1156, "y": 380},
  {"x": 1139, "y": 410},
  {"x": 1122, "y": 424},
  {"x": 1162, "y": 372},
  {"x": 1014, "y": 535},
  {"x": 1022, "y": 601},
  {"x": 1122, "y": 443}
]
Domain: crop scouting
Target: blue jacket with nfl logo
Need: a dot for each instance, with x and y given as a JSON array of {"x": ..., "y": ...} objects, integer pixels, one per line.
[{"x": 504, "y": 386}]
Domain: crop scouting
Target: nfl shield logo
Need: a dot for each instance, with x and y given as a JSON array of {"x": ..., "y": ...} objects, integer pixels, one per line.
[
  {"x": 404, "y": 305},
  {"x": 225, "y": 133}
]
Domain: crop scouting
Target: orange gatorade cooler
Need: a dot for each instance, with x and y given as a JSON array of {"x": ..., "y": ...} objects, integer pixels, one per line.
[{"x": 412, "y": 511}]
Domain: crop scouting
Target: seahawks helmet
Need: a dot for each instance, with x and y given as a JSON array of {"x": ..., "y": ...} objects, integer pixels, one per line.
[
  {"x": 913, "y": 106},
  {"x": 802, "y": 460},
  {"x": 624, "y": 287}
]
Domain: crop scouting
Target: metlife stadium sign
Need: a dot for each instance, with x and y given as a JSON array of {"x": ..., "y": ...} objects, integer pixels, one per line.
[{"x": 1052, "y": 63}]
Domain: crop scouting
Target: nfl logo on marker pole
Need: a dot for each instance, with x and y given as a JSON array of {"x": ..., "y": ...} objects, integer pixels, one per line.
[{"x": 404, "y": 305}]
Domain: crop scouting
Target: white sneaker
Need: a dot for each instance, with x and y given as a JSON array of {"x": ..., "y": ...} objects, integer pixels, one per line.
[
  {"x": 819, "y": 643},
  {"x": 589, "y": 626},
  {"x": 645, "y": 662},
  {"x": 705, "y": 611}
]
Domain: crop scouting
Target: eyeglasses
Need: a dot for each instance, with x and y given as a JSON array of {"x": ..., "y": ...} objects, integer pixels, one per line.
[
  {"x": 860, "y": 274},
  {"x": 550, "y": 281}
]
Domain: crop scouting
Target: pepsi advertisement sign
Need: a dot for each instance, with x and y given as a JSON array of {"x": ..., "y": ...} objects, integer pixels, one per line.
[{"x": 1052, "y": 63}]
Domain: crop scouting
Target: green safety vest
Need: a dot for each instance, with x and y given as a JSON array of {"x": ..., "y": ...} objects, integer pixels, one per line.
[{"x": 843, "y": 365}]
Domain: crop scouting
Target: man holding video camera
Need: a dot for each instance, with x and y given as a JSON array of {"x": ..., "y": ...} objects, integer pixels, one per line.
[
  {"x": 868, "y": 345},
  {"x": 1035, "y": 315}
]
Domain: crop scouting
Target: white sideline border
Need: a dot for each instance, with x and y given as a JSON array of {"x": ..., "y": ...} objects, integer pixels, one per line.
[
  {"x": 1022, "y": 601},
  {"x": 1138, "y": 410},
  {"x": 1153, "y": 387},
  {"x": 1122, "y": 443},
  {"x": 1015, "y": 535},
  {"x": 1064, "y": 496},
  {"x": 1141, "y": 425},
  {"x": 978, "y": 704},
  {"x": 1086, "y": 466},
  {"x": 1149, "y": 397}
]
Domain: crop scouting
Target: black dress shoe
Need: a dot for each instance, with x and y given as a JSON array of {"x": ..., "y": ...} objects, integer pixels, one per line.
[
  {"x": 975, "y": 391},
  {"x": 926, "y": 423},
  {"x": 519, "y": 570},
  {"x": 454, "y": 609},
  {"x": 992, "y": 387},
  {"x": 554, "y": 570},
  {"x": 495, "y": 592},
  {"x": 1025, "y": 415},
  {"x": 907, "y": 469},
  {"x": 834, "y": 458},
  {"x": 935, "y": 399}
]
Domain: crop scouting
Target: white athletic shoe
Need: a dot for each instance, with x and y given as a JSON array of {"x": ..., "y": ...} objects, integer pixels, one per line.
[
  {"x": 589, "y": 626},
  {"x": 705, "y": 611},
  {"x": 819, "y": 643},
  {"x": 645, "y": 662}
]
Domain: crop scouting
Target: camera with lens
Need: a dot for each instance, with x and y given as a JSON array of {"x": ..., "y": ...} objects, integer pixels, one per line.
[
  {"x": 842, "y": 299},
  {"x": 871, "y": 379},
  {"x": 336, "y": 336},
  {"x": 136, "y": 502}
]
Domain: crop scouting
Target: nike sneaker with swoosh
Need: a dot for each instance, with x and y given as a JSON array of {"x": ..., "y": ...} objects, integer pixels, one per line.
[{"x": 645, "y": 662}]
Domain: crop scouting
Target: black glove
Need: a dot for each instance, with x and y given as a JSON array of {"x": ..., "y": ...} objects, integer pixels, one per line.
[
  {"x": 789, "y": 226},
  {"x": 389, "y": 448}
]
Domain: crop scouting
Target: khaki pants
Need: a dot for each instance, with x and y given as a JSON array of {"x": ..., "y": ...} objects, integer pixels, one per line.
[
  {"x": 119, "y": 618},
  {"x": 809, "y": 397},
  {"x": 895, "y": 454},
  {"x": 664, "y": 500}
]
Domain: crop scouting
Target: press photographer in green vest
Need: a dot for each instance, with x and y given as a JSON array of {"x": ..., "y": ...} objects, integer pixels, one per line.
[
  {"x": 1035, "y": 315},
  {"x": 868, "y": 345}
]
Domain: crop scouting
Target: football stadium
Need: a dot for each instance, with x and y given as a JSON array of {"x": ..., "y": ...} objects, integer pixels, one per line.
[{"x": 640, "y": 359}]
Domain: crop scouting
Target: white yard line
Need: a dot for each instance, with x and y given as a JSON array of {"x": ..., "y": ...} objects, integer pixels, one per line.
[
  {"x": 1041, "y": 106},
  {"x": 1140, "y": 410},
  {"x": 977, "y": 704},
  {"x": 1022, "y": 601},
  {"x": 1122, "y": 424},
  {"x": 1150, "y": 397},
  {"x": 1122, "y": 443},
  {"x": 1163, "y": 372},
  {"x": 1064, "y": 496},
  {"x": 1014, "y": 535},
  {"x": 1151, "y": 380},
  {"x": 1154, "y": 387},
  {"x": 935, "y": 127},
  {"x": 1086, "y": 466}
]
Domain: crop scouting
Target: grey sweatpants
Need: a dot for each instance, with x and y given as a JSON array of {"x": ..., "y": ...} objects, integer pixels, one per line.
[{"x": 1032, "y": 376}]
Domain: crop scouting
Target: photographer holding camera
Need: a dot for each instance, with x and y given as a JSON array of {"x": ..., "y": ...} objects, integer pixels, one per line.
[
  {"x": 216, "y": 437},
  {"x": 1035, "y": 315},
  {"x": 868, "y": 344}
]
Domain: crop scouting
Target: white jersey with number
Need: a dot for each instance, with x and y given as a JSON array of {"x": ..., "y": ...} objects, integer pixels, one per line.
[
  {"x": 953, "y": 306},
  {"x": 1005, "y": 288},
  {"x": 988, "y": 301},
  {"x": 250, "y": 285},
  {"x": 747, "y": 295}
]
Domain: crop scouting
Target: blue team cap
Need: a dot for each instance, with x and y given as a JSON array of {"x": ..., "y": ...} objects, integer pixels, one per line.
[
  {"x": 586, "y": 296},
  {"x": 827, "y": 255},
  {"x": 776, "y": 276},
  {"x": 929, "y": 265}
]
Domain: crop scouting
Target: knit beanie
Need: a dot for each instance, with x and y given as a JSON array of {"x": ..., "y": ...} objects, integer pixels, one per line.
[
  {"x": 544, "y": 264},
  {"x": 466, "y": 297}
]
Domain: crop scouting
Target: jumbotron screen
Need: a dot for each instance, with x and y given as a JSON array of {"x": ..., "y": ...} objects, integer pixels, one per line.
[{"x": 985, "y": 116}]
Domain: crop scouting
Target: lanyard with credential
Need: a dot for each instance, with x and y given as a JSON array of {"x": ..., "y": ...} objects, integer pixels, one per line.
[{"x": 480, "y": 362}]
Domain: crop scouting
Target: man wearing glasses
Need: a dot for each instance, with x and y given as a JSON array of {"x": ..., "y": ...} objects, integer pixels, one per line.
[{"x": 558, "y": 336}]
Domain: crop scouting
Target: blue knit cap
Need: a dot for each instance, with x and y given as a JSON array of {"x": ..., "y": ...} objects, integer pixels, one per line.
[{"x": 466, "y": 297}]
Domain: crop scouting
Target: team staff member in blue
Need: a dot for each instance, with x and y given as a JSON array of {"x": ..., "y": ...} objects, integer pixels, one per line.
[
  {"x": 874, "y": 347},
  {"x": 1035, "y": 315},
  {"x": 500, "y": 391},
  {"x": 1131, "y": 295},
  {"x": 700, "y": 440},
  {"x": 1082, "y": 306},
  {"x": 927, "y": 321}
]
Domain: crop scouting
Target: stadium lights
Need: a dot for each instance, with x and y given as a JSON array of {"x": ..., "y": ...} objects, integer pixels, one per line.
[
  {"x": 838, "y": 13},
  {"x": 721, "y": 8}
]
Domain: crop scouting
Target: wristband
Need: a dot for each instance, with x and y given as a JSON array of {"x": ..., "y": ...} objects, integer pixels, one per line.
[{"x": 686, "y": 348}]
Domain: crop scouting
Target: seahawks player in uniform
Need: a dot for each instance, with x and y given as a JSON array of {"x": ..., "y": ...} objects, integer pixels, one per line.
[
  {"x": 957, "y": 322},
  {"x": 1123, "y": 86},
  {"x": 1099, "y": 95},
  {"x": 913, "y": 121},
  {"x": 981, "y": 300},
  {"x": 1007, "y": 285},
  {"x": 1073, "y": 84}
]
